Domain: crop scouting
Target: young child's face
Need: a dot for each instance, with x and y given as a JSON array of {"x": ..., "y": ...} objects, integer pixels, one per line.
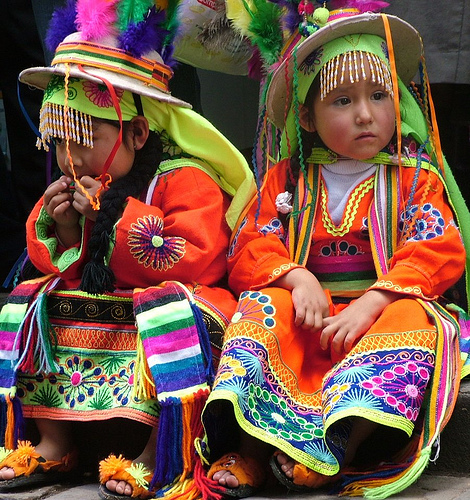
[
  {"x": 355, "y": 120},
  {"x": 90, "y": 161}
]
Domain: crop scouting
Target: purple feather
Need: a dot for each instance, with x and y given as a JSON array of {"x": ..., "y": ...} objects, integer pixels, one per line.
[
  {"x": 140, "y": 38},
  {"x": 167, "y": 56},
  {"x": 61, "y": 25}
]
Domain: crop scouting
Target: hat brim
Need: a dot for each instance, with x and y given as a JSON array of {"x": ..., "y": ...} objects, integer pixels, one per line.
[
  {"x": 39, "y": 77},
  {"x": 407, "y": 46}
]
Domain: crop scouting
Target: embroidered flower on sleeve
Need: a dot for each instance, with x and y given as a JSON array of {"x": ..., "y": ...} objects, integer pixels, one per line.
[
  {"x": 274, "y": 226},
  {"x": 428, "y": 223},
  {"x": 151, "y": 248},
  {"x": 283, "y": 202}
]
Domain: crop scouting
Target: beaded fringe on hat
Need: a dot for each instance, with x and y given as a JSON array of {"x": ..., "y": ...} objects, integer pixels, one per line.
[
  {"x": 52, "y": 125},
  {"x": 336, "y": 71}
]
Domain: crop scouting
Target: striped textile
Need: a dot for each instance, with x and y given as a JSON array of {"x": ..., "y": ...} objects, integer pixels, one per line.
[{"x": 177, "y": 349}]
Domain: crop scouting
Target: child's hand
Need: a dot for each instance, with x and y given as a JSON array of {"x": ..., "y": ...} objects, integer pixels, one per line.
[
  {"x": 81, "y": 203},
  {"x": 308, "y": 297},
  {"x": 57, "y": 202},
  {"x": 344, "y": 329}
]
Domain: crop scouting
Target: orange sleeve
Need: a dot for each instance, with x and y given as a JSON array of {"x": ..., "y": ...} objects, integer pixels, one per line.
[
  {"x": 258, "y": 255},
  {"x": 181, "y": 236},
  {"x": 45, "y": 250},
  {"x": 432, "y": 257}
]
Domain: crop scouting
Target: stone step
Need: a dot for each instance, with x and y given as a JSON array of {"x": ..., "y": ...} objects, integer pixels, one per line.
[{"x": 454, "y": 449}]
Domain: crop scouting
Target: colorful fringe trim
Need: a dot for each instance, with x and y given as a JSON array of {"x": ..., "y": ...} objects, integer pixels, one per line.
[
  {"x": 25, "y": 345},
  {"x": 177, "y": 350}
]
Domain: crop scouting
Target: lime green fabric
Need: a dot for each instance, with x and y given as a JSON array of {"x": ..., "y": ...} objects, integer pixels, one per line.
[{"x": 194, "y": 134}]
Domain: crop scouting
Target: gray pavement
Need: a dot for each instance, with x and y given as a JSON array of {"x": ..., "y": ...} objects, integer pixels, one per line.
[{"x": 430, "y": 486}]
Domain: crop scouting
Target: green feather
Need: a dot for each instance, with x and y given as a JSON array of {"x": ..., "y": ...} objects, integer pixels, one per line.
[
  {"x": 266, "y": 31},
  {"x": 172, "y": 22},
  {"x": 132, "y": 11}
]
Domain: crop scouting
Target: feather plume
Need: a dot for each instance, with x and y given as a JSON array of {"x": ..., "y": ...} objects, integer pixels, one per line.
[
  {"x": 259, "y": 21},
  {"x": 171, "y": 25},
  {"x": 266, "y": 30},
  {"x": 140, "y": 38},
  {"x": 61, "y": 25},
  {"x": 132, "y": 11},
  {"x": 239, "y": 12},
  {"x": 96, "y": 18}
]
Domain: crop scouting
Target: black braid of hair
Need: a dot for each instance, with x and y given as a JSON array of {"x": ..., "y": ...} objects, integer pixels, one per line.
[{"x": 97, "y": 277}]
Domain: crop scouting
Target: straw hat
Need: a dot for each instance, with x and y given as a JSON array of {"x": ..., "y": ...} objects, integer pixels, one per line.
[
  {"x": 407, "y": 45},
  {"x": 146, "y": 75}
]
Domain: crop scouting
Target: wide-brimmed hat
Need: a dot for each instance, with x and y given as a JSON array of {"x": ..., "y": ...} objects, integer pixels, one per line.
[
  {"x": 145, "y": 75},
  {"x": 407, "y": 46}
]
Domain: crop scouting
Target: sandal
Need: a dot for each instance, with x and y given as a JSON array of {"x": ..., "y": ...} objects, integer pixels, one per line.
[
  {"x": 304, "y": 479},
  {"x": 32, "y": 470},
  {"x": 122, "y": 469},
  {"x": 247, "y": 470}
]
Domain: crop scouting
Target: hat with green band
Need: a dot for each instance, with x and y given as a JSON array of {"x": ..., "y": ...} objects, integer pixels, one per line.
[{"x": 361, "y": 32}]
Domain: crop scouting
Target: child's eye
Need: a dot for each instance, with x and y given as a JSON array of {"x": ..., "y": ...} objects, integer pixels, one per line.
[
  {"x": 57, "y": 141},
  {"x": 379, "y": 95},
  {"x": 342, "y": 101}
]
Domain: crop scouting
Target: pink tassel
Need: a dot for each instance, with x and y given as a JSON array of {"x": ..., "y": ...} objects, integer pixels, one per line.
[{"x": 96, "y": 18}]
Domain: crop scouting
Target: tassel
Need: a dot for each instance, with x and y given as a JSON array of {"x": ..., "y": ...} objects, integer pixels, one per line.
[
  {"x": 11, "y": 421},
  {"x": 204, "y": 341},
  {"x": 3, "y": 420},
  {"x": 195, "y": 488},
  {"x": 208, "y": 488},
  {"x": 44, "y": 347},
  {"x": 169, "y": 444},
  {"x": 10, "y": 425},
  {"x": 19, "y": 426},
  {"x": 37, "y": 328},
  {"x": 144, "y": 386},
  {"x": 179, "y": 425}
]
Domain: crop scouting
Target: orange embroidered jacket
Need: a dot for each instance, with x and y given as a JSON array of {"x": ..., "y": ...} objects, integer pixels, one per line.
[
  {"x": 431, "y": 259},
  {"x": 180, "y": 235}
]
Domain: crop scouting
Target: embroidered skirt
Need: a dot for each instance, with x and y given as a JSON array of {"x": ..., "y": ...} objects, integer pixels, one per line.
[
  {"x": 286, "y": 391},
  {"x": 95, "y": 342}
]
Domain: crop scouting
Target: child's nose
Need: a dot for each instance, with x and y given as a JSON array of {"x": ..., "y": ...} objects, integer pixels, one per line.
[{"x": 363, "y": 113}]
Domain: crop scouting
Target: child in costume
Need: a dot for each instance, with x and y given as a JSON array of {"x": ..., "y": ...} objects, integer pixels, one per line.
[
  {"x": 342, "y": 363},
  {"x": 132, "y": 242}
]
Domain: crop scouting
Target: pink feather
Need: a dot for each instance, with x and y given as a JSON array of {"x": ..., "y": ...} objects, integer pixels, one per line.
[
  {"x": 96, "y": 18},
  {"x": 362, "y": 5}
]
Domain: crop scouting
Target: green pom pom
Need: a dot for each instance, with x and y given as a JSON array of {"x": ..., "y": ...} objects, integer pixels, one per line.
[{"x": 321, "y": 15}]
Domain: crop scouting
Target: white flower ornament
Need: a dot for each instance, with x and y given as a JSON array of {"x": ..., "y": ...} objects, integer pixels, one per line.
[{"x": 283, "y": 202}]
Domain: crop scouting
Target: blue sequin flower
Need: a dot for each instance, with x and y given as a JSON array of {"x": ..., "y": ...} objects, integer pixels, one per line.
[
  {"x": 151, "y": 248},
  {"x": 428, "y": 224},
  {"x": 255, "y": 306},
  {"x": 274, "y": 226}
]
